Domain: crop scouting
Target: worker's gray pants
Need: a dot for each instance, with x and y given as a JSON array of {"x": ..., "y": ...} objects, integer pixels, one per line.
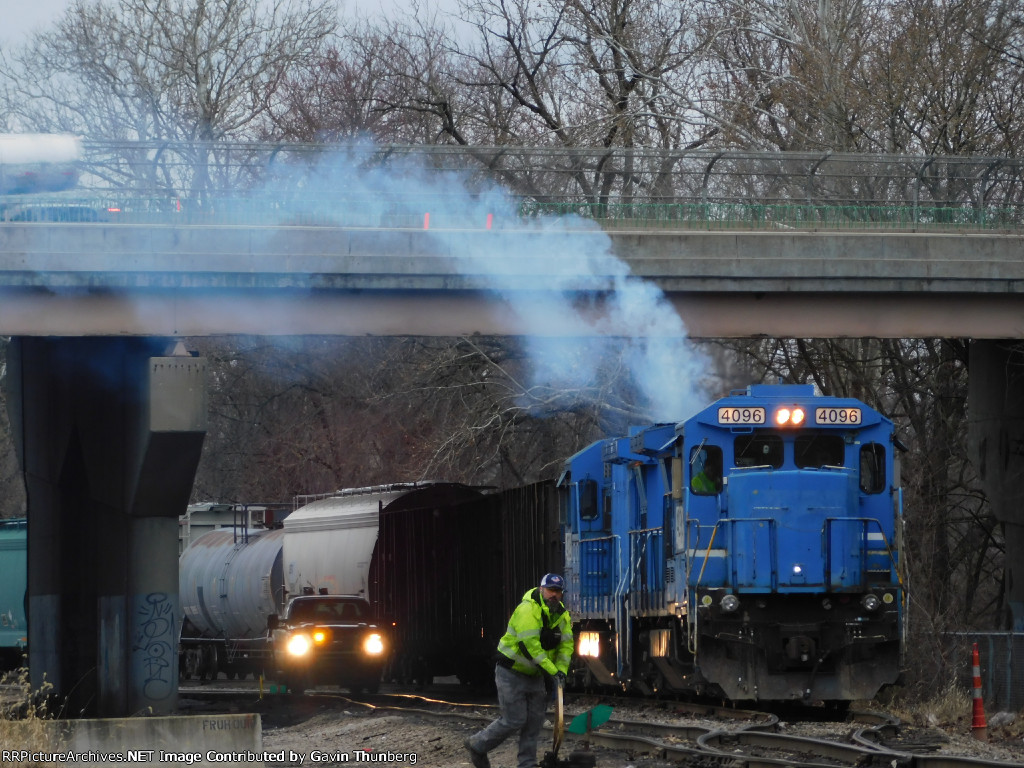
[{"x": 523, "y": 702}]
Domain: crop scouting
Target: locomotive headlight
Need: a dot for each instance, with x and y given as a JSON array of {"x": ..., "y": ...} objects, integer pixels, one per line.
[
  {"x": 870, "y": 603},
  {"x": 589, "y": 644},
  {"x": 299, "y": 645},
  {"x": 797, "y": 570},
  {"x": 374, "y": 644},
  {"x": 729, "y": 603},
  {"x": 793, "y": 417}
]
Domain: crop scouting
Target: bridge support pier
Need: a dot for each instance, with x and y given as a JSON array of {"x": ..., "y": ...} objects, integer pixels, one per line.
[
  {"x": 995, "y": 406},
  {"x": 109, "y": 433}
]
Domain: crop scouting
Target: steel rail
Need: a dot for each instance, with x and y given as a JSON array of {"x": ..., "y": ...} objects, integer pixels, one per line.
[{"x": 746, "y": 746}]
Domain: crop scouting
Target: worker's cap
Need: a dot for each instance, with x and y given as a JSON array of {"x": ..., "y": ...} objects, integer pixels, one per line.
[{"x": 553, "y": 581}]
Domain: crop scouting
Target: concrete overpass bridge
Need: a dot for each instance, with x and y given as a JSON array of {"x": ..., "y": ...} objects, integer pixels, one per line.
[
  {"x": 109, "y": 413},
  {"x": 135, "y": 280}
]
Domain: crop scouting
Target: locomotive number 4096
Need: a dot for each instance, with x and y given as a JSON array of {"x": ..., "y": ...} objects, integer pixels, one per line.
[
  {"x": 837, "y": 415},
  {"x": 741, "y": 415}
]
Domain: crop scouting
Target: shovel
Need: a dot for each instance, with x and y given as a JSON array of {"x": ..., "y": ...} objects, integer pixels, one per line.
[
  {"x": 559, "y": 718},
  {"x": 551, "y": 758}
]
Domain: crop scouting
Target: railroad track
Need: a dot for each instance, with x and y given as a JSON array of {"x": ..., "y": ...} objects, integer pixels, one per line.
[{"x": 722, "y": 737}]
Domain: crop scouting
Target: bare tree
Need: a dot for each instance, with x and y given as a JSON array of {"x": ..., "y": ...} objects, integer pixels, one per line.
[
  {"x": 191, "y": 71},
  {"x": 938, "y": 84},
  {"x": 924, "y": 76},
  {"x": 389, "y": 79},
  {"x": 313, "y": 414}
]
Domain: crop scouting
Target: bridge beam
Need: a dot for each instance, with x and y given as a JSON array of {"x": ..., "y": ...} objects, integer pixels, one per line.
[
  {"x": 109, "y": 433},
  {"x": 995, "y": 404}
]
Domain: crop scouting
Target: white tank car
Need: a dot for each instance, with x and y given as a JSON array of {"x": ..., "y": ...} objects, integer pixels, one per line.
[
  {"x": 229, "y": 581},
  {"x": 328, "y": 543}
]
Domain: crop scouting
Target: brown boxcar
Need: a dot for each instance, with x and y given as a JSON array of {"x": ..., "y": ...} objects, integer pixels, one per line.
[{"x": 447, "y": 576}]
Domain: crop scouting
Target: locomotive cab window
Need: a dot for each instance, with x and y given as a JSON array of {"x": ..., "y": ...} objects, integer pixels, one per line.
[
  {"x": 758, "y": 450},
  {"x": 706, "y": 470},
  {"x": 819, "y": 451},
  {"x": 589, "y": 509},
  {"x": 872, "y": 468}
]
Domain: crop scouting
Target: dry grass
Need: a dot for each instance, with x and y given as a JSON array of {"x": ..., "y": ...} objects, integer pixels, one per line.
[
  {"x": 952, "y": 709},
  {"x": 946, "y": 707},
  {"x": 24, "y": 718}
]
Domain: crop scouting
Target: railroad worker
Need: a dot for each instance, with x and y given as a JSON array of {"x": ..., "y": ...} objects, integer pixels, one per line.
[
  {"x": 532, "y": 657},
  {"x": 705, "y": 479}
]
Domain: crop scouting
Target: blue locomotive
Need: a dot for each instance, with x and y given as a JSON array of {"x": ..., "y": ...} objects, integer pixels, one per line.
[{"x": 750, "y": 552}]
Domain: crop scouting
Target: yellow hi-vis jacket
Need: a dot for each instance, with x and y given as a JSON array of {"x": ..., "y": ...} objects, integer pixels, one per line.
[{"x": 522, "y": 645}]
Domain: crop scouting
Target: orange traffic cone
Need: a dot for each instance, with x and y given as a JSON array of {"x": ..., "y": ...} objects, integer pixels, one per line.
[{"x": 979, "y": 728}]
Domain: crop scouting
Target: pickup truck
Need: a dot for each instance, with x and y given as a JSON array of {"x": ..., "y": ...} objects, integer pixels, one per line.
[{"x": 328, "y": 640}]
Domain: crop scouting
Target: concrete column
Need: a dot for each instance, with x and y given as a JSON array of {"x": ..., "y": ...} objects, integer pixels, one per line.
[
  {"x": 109, "y": 433},
  {"x": 155, "y": 613},
  {"x": 995, "y": 406}
]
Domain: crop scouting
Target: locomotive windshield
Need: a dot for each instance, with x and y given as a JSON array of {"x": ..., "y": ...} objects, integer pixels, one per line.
[
  {"x": 758, "y": 450},
  {"x": 810, "y": 450}
]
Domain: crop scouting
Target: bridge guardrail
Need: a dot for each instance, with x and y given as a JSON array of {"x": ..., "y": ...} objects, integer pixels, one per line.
[{"x": 437, "y": 213}]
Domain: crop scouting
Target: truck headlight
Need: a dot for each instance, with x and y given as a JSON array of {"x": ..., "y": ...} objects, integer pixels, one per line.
[
  {"x": 298, "y": 645},
  {"x": 374, "y": 644}
]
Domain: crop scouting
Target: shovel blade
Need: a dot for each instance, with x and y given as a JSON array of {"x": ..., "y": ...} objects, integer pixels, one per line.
[{"x": 559, "y": 720}]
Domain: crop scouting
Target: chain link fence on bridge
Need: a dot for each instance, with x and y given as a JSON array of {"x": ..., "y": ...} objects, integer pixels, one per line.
[{"x": 386, "y": 185}]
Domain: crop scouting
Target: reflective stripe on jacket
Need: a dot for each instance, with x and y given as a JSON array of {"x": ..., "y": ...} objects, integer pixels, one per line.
[{"x": 521, "y": 642}]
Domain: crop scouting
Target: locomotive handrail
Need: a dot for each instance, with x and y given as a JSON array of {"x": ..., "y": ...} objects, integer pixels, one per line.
[
  {"x": 692, "y": 634},
  {"x": 707, "y": 554}
]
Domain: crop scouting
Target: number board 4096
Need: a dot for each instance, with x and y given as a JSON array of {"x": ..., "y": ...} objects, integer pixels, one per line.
[
  {"x": 837, "y": 416},
  {"x": 737, "y": 415}
]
